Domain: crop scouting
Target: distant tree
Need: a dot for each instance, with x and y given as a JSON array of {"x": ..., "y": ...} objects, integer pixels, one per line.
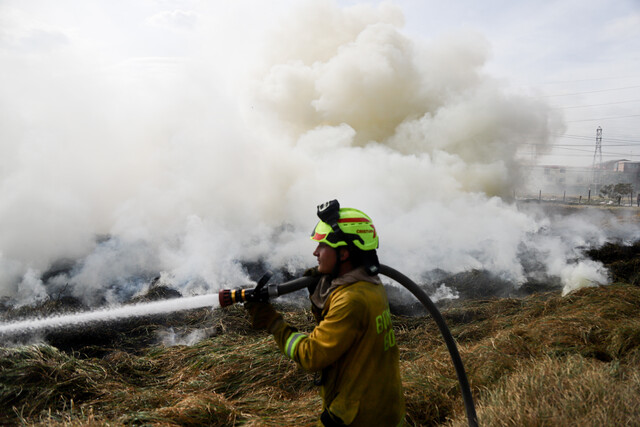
[
  {"x": 622, "y": 189},
  {"x": 611, "y": 191},
  {"x": 606, "y": 190}
]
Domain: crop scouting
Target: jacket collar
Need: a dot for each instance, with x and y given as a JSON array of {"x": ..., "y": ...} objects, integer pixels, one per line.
[{"x": 326, "y": 286}]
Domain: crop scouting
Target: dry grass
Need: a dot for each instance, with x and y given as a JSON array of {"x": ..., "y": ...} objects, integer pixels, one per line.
[
  {"x": 563, "y": 391},
  {"x": 538, "y": 361},
  {"x": 235, "y": 377},
  {"x": 507, "y": 340}
]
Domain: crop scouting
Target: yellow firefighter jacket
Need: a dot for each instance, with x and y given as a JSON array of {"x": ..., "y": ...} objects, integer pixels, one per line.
[{"x": 355, "y": 348}]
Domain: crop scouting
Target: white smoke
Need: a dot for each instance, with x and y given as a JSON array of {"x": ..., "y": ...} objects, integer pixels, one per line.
[
  {"x": 443, "y": 292},
  {"x": 31, "y": 290},
  {"x": 188, "y": 166},
  {"x": 171, "y": 337}
]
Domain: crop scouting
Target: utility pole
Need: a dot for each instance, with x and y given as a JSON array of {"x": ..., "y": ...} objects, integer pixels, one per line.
[
  {"x": 598, "y": 152},
  {"x": 598, "y": 146}
]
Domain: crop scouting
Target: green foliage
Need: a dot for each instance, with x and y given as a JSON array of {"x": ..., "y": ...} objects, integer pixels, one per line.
[{"x": 612, "y": 191}]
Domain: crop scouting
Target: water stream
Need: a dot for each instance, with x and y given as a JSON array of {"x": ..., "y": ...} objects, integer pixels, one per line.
[{"x": 110, "y": 314}]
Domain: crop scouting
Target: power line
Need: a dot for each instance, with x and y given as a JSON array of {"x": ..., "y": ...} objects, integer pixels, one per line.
[
  {"x": 590, "y": 80},
  {"x": 569, "y": 144},
  {"x": 572, "y": 148},
  {"x": 589, "y": 138},
  {"x": 604, "y": 153},
  {"x": 576, "y": 145},
  {"x": 595, "y": 105},
  {"x": 587, "y": 153},
  {"x": 603, "y": 118},
  {"x": 581, "y": 145},
  {"x": 591, "y": 91}
]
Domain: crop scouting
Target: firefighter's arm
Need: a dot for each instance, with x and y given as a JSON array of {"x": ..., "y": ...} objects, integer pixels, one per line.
[
  {"x": 328, "y": 341},
  {"x": 262, "y": 315}
]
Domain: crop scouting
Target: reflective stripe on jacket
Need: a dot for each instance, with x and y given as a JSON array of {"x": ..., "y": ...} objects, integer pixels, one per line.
[{"x": 354, "y": 345}]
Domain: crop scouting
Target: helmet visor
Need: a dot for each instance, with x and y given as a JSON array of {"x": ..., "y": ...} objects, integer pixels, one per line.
[{"x": 323, "y": 233}]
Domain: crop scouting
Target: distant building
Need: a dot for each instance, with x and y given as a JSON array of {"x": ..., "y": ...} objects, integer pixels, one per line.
[
  {"x": 611, "y": 165},
  {"x": 575, "y": 181},
  {"x": 622, "y": 171},
  {"x": 557, "y": 179},
  {"x": 627, "y": 167}
]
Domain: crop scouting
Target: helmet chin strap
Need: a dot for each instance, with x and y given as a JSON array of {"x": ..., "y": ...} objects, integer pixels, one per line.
[
  {"x": 338, "y": 265},
  {"x": 329, "y": 213},
  {"x": 336, "y": 268}
]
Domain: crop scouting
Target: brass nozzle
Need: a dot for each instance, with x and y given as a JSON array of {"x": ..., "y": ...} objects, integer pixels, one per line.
[{"x": 228, "y": 297}]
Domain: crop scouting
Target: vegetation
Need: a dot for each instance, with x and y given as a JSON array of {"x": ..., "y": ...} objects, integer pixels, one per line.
[
  {"x": 614, "y": 192},
  {"x": 542, "y": 360}
]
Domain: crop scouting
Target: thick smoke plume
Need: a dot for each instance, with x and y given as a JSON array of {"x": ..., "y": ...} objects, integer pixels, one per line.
[{"x": 189, "y": 168}]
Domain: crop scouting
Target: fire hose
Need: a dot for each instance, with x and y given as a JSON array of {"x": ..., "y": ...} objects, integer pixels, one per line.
[{"x": 263, "y": 293}]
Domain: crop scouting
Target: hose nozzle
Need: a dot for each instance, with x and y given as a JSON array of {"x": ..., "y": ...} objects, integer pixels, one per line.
[
  {"x": 261, "y": 292},
  {"x": 228, "y": 297}
]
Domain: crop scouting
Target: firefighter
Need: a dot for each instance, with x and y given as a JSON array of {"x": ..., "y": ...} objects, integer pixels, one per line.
[{"x": 353, "y": 347}]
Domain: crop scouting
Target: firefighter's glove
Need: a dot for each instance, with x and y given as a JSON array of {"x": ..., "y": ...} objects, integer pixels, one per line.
[
  {"x": 261, "y": 314},
  {"x": 312, "y": 272}
]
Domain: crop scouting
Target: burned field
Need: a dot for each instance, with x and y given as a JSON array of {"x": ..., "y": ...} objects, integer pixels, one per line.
[{"x": 540, "y": 359}]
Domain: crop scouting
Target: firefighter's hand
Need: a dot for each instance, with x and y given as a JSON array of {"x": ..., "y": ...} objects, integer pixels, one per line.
[
  {"x": 312, "y": 272},
  {"x": 261, "y": 314}
]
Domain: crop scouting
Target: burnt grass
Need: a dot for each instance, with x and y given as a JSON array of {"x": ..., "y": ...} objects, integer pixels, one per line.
[
  {"x": 623, "y": 262},
  {"x": 121, "y": 373}
]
